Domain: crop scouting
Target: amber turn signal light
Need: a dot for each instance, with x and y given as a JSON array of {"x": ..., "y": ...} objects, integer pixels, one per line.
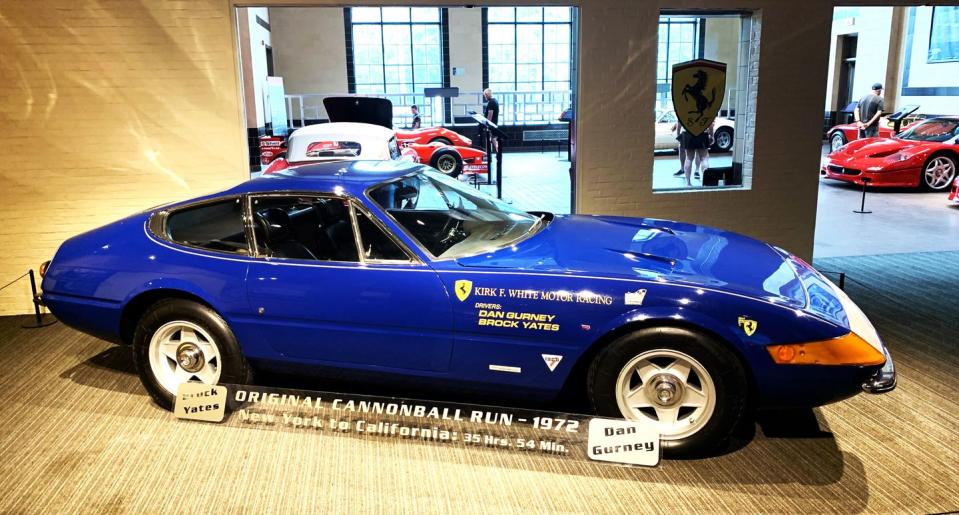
[
  {"x": 43, "y": 268},
  {"x": 845, "y": 350}
]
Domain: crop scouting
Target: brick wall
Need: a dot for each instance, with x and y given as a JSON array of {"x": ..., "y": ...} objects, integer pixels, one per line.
[{"x": 108, "y": 108}]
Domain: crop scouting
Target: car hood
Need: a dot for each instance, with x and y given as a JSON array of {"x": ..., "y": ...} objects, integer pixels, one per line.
[
  {"x": 657, "y": 250},
  {"x": 874, "y": 147}
]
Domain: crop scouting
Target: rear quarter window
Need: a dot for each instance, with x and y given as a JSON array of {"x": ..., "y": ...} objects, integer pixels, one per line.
[{"x": 216, "y": 226}]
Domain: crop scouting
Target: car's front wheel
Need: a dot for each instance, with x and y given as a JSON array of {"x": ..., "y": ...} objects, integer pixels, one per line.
[
  {"x": 178, "y": 340},
  {"x": 448, "y": 162},
  {"x": 836, "y": 141},
  {"x": 684, "y": 384},
  {"x": 939, "y": 172}
]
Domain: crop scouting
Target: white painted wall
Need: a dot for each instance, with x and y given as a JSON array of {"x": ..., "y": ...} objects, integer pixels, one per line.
[
  {"x": 873, "y": 26},
  {"x": 259, "y": 39}
]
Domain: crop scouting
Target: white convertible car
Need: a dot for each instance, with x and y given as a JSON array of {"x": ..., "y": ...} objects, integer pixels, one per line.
[{"x": 666, "y": 137}]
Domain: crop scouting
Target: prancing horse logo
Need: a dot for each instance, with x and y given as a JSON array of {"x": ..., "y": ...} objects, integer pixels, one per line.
[
  {"x": 749, "y": 326},
  {"x": 463, "y": 288}
]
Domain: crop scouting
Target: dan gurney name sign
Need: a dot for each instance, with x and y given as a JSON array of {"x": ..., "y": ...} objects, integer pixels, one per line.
[{"x": 561, "y": 435}]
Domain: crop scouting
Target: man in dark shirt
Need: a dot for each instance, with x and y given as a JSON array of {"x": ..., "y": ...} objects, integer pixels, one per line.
[
  {"x": 416, "y": 117},
  {"x": 491, "y": 111},
  {"x": 868, "y": 112}
]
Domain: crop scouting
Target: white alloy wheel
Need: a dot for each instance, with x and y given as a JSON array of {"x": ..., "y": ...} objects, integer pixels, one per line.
[
  {"x": 724, "y": 140},
  {"x": 836, "y": 142},
  {"x": 939, "y": 172},
  {"x": 446, "y": 163},
  {"x": 181, "y": 351},
  {"x": 668, "y": 389}
]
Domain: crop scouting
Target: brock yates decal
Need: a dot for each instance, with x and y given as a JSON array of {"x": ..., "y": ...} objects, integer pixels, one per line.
[
  {"x": 748, "y": 326},
  {"x": 199, "y": 401}
]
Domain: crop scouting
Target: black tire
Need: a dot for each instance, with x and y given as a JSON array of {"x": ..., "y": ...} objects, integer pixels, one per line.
[
  {"x": 442, "y": 140},
  {"x": 723, "y": 367},
  {"x": 724, "y": 139},
  {"x": 234, "y": 368},
  {"x": 448, "y": 162},
  {"x": 949, "y": 160},
  {"x": 837, "y": 140}
]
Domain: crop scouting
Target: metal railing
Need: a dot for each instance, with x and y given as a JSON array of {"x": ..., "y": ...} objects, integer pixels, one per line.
[{"x": 516, "y": 107}]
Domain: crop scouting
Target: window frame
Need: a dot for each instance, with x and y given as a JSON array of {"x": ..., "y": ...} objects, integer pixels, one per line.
[
  {"x": 543, "y": 24},
  {"x": 157, "y": 224},
  {"x": 441, "y": 25},
  {"x": 932, "y": 28},
  {"x": 353, "y": 205}
]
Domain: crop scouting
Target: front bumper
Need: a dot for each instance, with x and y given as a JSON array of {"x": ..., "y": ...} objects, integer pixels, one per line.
[{"x": 884, "y": 380}]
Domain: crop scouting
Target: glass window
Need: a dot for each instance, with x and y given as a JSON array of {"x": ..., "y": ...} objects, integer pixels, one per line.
[
  {"x": 309, "y": 228},
  {"x": 944, "y": 34},
  {"x": 450, "y": 219},
  {"x": 396, "y": 50},
  {"x": 377, "y": 245},
  {"x": 706, "y": 139},
  {"x": 217, "y": 226},
  {"x": 529, "y": 48}
]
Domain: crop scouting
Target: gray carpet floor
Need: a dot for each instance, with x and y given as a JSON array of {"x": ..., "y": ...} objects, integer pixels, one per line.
[{"x": 78, "y": 434}]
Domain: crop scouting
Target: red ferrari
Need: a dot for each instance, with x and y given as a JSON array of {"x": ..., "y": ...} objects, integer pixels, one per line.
[
  {"x": 925, "y": 155},
  {"x": 432, "y": 135}
]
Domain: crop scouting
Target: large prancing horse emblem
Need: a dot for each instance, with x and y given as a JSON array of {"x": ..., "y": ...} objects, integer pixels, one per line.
[
  {"x": 698, "y": 90},
  {"x": 463, "y": 288}
]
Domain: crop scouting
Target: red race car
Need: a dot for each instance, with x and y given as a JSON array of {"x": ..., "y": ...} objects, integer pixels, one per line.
[
  {"x": 924, "y": 155},
  {"x": 842, "y": 134},
  {"x": 433, "y": 135}
]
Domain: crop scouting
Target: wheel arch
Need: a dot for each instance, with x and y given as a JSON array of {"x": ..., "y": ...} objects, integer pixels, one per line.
[
  {"x": 137, "y": 306},
  {"x": 576, "y": 381}
]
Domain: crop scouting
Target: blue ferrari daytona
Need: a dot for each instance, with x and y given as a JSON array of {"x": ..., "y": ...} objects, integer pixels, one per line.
[{"x": 394, "y": 269}]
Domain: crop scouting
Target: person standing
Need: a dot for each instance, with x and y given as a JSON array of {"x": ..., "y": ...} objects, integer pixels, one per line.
[
  {"x": 416, "y": 117},
  {"x": 868, "y": 111},
  {"x": 696, "y": 159},
  {"x": 681, "y": 135},
  {"x": 491, "y": 112}
]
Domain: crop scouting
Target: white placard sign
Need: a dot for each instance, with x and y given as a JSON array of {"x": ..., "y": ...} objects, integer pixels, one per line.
[
  {"x": 198, "y": 401},
  {"x": 623, "y": 441}
]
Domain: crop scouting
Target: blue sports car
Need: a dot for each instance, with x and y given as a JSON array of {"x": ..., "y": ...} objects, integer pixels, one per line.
[{"x": 394, "y": 269}]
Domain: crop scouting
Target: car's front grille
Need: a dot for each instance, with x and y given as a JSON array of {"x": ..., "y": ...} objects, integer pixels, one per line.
[{"x": 844, "y": 171}]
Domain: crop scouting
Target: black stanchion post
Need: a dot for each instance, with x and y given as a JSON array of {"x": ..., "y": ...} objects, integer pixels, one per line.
[
  {"x": 499, "y": 170},
  {"x": 36, "y": 304},
  {"x": 38, "y": 317},
  {"x": 842, "y": 280},
  {"x": 862, "y": 206}
]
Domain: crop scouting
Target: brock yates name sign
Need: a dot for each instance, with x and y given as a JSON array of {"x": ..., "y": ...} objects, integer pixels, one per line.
[{"x": 561, "y": 435}]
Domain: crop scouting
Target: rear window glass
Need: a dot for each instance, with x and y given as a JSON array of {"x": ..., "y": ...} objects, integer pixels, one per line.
[{"x": 217, "y": 226}]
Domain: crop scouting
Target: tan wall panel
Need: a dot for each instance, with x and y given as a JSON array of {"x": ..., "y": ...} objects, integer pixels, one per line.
[{"x": 108, "y": 109}]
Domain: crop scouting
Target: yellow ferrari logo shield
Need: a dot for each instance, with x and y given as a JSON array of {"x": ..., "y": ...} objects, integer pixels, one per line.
[
  {"x": 748, "y": 326},
  {"x": 463, "y": 289},
  {"x": 698, "y": 90}
]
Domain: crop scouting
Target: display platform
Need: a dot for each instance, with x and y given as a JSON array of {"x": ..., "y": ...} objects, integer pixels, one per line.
[{"x": 80, "y": 434}]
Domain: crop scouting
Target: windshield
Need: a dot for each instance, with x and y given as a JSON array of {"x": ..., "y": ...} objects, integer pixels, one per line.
[
  {"x": 937, "y": 129},
  {"x": 450, "y": 219}
]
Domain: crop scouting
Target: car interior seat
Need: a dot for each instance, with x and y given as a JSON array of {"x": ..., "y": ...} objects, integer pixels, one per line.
[{"x": 275, "y": 226}]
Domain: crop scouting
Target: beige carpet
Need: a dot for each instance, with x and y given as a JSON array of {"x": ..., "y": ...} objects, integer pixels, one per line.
[{"x": 78, "y": 434}]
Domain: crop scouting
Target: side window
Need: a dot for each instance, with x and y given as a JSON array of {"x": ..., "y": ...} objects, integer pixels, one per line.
[
  {"x": 376, "y": 243},
  {"x": 309, "y": 228},
  {"x": 217, "y": 226}
]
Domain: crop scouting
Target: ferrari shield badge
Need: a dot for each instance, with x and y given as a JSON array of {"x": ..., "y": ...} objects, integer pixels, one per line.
[
  {"x": 698, "y": 90},
  {"x": 748, "y": 326},
  {"x": 463, "y": 288}
]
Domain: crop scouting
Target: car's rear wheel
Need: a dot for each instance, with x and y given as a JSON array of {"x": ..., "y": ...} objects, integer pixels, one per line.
[
  {"x": 836, "y": 141},
  {"x": 724, "y": 139},
  {"x": 448, "y": 162},
  {"x": 442, "y": 140},
  {"x": 939, "y": 172},
  {"x": 178, "y": 340},
  {"x": 686, "y": 385}
]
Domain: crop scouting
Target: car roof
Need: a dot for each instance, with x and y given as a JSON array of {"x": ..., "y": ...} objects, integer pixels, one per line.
[{"x": 351, "y": 176}]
